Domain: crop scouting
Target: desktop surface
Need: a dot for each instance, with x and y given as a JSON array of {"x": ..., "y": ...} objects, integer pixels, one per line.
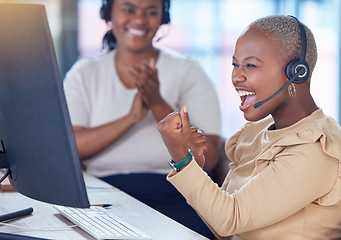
[{"x": 46, "y": 222}]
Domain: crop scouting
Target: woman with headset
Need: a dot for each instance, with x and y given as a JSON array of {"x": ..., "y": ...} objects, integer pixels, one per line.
[
  {"x": 116, "y": 101},
  {"x": 285, "y": 176}
]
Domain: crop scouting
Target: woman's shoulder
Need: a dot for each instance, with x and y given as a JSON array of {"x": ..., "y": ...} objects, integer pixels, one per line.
[
  {"x": 172, "y": 56},
  {"x": 327, "y": 124},
  {"x": 89, "y": 70},
  {"x": 321, "y": 136},
  {"x": 318, "y": 127},
  {"x": 91, "y": 63},
  {"x": 330, "y": 134},
  {"x": 330, "y": 141}
]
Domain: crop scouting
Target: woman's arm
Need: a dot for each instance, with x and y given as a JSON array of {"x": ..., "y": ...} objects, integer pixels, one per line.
[
  {"x": 147, "y": 82},
  {"x": 283, "y": 188},
  {"x": 91, "y": 141},
  {"x": 286, "y": 184}
]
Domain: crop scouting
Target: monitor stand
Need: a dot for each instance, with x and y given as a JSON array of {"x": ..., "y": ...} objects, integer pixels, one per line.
[
  {"x": 15, "y": 214},
  {"x": 8, "y": 216},
  {"x": 3, "y": 162},
  {"x": 3, "y": 158}
]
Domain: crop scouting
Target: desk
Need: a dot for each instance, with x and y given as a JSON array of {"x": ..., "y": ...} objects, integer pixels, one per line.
[{"x": 153, "y": 223}]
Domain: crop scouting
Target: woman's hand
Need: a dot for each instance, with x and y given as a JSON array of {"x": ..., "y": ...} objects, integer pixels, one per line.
[
  {"x": 176, "y": 132},
  {"x": 91, "y": 141},
  {"x": 147, "y": 82},
  {"x": 198, "y": 144},
  {"x": 138, "y": 110}
]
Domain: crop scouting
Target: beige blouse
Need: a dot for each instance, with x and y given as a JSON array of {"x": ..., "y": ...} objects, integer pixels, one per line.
[{"x": 283, "y": 184}]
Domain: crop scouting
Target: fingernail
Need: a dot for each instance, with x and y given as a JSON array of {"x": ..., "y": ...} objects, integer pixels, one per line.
[{"x": 185, "y": 109}]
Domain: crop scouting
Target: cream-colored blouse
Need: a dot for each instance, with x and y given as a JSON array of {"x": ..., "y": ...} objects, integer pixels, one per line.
[{"x": 283, "y": 184}]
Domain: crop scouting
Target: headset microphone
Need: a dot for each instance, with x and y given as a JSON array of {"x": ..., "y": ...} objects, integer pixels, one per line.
[
  {"x": 297, "y": 70},
  {"x": 258, "y": 104}
]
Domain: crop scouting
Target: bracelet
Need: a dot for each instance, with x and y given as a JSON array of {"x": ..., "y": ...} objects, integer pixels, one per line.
[{"x": 177, "y": 166}]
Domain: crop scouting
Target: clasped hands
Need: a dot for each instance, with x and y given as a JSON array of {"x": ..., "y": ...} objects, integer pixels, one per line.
[
  {"x": 178, "y": 136},
  {"x": 176, "y": 130},
  {"x": 146, "y": 80}
]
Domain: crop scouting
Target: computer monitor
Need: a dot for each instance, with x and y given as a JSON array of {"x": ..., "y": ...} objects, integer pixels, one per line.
[{"x": 38, "y": 144}]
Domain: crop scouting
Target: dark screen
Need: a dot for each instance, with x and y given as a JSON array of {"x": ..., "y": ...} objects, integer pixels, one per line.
[{"x": 35, "y": 127}]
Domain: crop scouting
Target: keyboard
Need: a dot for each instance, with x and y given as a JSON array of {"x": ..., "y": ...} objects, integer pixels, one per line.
[{"x": 101, "y": 224}]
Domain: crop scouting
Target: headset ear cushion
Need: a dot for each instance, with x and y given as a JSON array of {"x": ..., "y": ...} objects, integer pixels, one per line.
[
  {"x": 104, "y": 13},
  {"x": 101, "y": 13},
  {"x": 165, "y": 18},
  {"x": 294, "y": 66}
]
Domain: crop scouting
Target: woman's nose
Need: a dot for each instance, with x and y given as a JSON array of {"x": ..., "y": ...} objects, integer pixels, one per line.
[
  {"x": 238, "y": 76},
  {"x": 140, "y": 17}
]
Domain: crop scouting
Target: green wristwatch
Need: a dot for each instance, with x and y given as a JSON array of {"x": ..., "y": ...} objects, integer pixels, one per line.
[{"x": 177, "y": 166}]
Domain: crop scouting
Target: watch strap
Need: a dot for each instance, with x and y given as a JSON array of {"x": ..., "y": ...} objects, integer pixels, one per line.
[{"x": 177, "y": 166}]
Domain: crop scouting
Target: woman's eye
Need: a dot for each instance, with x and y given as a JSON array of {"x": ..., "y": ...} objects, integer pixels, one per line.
[
  {"x": 152, "y": 13},
  {"x": 250, "y": 65},
  {"x": 234, "y": 64},
  {"x": 128, "y": 10}
]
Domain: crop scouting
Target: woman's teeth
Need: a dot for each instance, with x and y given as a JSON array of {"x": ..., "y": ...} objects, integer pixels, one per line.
[
  {"x": 136, "y": 32},
  {"x": 245, "y": 93}
]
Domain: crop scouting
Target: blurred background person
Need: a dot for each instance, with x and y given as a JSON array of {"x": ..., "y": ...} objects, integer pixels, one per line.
[{"x": 117, "y": 99}]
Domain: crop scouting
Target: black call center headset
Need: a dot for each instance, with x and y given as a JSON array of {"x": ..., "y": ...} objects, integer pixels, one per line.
[
  {"x": 105, "y": 11},
  {"x": 297, "y": 70}
]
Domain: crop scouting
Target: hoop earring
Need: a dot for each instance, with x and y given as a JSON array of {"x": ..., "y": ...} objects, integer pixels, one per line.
[{"x": 292, "y": 90}]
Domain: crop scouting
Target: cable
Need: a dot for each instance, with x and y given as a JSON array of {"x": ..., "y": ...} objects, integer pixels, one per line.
[{"x": 6, "y": 175}]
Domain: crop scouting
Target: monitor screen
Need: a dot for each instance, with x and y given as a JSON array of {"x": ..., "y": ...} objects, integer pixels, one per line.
[{"x": 37, "y": 138}]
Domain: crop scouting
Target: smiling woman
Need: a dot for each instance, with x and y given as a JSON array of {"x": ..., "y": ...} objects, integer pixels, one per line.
[
  {"x": 260, "y": 65},
  {"x": 116, "y": 100},
  {"x": 155, "y": 13},
  {"x": 285, "y": 174}
]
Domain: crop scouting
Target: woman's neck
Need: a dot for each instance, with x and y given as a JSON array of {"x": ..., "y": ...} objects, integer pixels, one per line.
[
  {"x": 298, "y": 110},
  {"x": 127, "y": 58}
]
